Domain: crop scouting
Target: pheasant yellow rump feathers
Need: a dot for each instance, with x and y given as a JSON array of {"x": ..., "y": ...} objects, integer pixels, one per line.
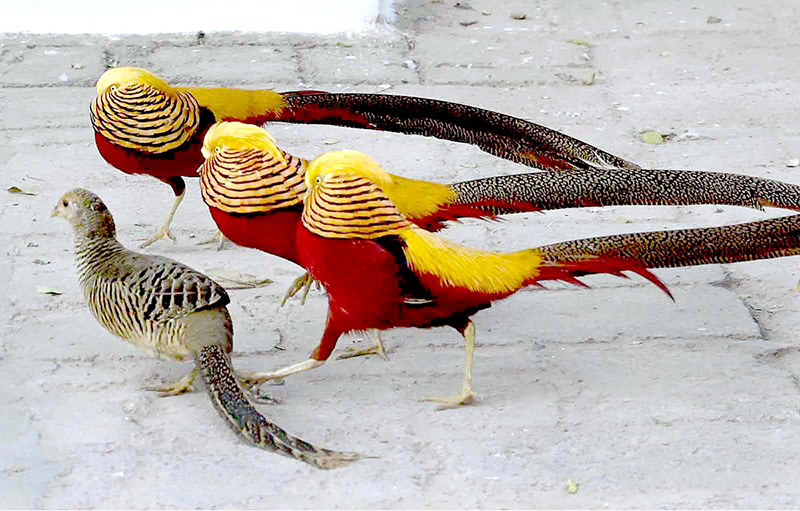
[
  {"x": 136, "y": 109},
  {"x": 348, "y": 199}
]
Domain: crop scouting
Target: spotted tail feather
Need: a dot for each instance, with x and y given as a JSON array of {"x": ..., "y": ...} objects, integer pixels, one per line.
[
  {"x": 765, "y": 239},
  {"x": 618, "y": 187},
  {"x": 231, "y": 403},
  {"x": 498, "y": 134}
]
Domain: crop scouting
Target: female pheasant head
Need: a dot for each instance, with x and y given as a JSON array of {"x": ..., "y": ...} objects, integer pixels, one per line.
[{"x": 87, "y": 214}]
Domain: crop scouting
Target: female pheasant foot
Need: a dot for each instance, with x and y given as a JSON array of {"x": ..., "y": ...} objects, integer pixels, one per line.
[
  {"x": 467, "y": 396},
  {"x": 163, "y": 232},
  {"x": 377, "y": 349},
  {"x": 179, "y": 387}
]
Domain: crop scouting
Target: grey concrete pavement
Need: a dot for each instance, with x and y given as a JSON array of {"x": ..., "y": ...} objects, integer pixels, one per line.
[{"x": 640, "y": 401}]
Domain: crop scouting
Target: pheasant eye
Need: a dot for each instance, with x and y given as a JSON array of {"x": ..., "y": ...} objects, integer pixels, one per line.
[
  {"x": 64, "y": 203},
  {"x": 217, "y": 149},
  {"x": 319, "y": 180}
]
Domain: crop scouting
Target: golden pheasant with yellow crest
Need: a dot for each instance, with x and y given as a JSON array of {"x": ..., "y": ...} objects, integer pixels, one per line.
[
  {"x": 143, "y": 125},
  {"x": 254, "y": 191},
  {"x": 381, "y": 271}
]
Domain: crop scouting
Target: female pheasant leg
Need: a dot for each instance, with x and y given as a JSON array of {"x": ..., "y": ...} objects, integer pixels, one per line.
[
  {"x": 467, "y": 396},
  {"x": 179, "y": 387}
]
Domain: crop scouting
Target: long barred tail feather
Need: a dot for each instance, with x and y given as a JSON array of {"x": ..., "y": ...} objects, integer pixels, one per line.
[
  {"x": 765, "y": 239},
  {"x": 498, "y": 134},
  {"x": 620, "y": 187}
]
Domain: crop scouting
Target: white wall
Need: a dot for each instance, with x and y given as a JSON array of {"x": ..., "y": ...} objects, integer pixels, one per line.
[{"x": 154, "y": 16}]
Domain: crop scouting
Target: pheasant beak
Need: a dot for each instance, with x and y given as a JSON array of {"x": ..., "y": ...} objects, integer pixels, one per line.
[{"x": 54, "y": 212}]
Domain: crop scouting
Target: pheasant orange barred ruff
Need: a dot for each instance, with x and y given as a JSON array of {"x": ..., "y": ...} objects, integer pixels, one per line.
[
  {"x": 351, "y": 207},
  {"x": 144, "y": 118},
  {"x": 252, "y": 181}
]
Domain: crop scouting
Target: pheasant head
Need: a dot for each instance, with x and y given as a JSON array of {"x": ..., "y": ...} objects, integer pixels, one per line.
[
  {"x": 138, "y": 110},
  {"x": 238, "y": 137},
  {"x": 87, "y": 214},
  {"x": 347, "y": 198},
  {"x": 245, "y": 172}
]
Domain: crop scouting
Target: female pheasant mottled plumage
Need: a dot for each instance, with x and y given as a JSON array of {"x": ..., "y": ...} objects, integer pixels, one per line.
[
  {"x": 168, "y": 309},
  {"x": 145, "y": 126}
]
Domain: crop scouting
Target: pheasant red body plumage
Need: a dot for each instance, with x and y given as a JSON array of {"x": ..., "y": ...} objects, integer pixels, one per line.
[{"x": 381, "y": 271}]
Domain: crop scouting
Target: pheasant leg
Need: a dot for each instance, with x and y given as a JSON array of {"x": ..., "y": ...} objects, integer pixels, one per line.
[
  {"x": 250, "y": 379},
  {"x": 163, "y": 232},
  {"x": 218, "y": 238},
  {"x": 467, "y": 396},
  {"x": 179, "y": 387},
  {"x": 378, "y": 348}
]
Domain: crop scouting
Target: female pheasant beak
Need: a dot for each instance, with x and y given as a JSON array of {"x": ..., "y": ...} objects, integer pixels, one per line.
[{"x": 63, "y": 207}]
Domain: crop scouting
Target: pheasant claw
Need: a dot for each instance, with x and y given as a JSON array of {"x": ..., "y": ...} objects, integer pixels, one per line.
[{"x": 177, "y": 388}]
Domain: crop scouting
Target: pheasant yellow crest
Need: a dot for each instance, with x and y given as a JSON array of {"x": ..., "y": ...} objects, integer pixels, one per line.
[
  {"x": 245, "y": 172},
  {"x": 137, "y": 110}
]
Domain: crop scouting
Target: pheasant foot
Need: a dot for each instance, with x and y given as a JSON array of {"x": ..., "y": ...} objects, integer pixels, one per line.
[
  {"x": 377, "y": 349},
  {"x": 179, "y": 387},
  {"x": 251, "y": 379},
  {"x": 218, "y": 238},
  {"x": 303, "y": 282},
  {"x": 163, "y": 233}
]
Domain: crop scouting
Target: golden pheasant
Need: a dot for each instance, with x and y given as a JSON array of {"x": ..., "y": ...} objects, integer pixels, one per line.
[
  {"x": 381, "y": 271},
  {"x": 168, "y": 309},
  {"x": 254, "y": 191},
  {"x": 143, "y": 125}
]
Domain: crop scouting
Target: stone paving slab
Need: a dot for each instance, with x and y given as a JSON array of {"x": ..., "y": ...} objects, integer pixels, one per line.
[{"x": 641, "y": 401}]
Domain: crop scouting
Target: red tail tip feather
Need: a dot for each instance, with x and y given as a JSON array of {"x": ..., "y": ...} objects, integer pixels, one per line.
[{"x": 569, "y": 271}]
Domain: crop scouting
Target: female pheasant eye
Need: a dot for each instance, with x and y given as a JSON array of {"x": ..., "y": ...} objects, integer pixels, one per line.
[{"x": 64, "y": 203}]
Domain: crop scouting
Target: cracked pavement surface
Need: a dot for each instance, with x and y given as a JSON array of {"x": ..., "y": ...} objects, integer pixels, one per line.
[{"x": 640, "y": 401}]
